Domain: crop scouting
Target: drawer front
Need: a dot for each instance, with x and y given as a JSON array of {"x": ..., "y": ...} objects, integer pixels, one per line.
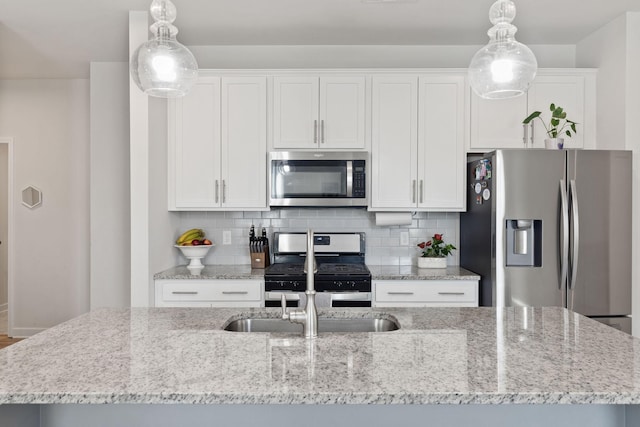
[
  {"x": 212, "y": 290},
  {"x": 436, "y": 292}
]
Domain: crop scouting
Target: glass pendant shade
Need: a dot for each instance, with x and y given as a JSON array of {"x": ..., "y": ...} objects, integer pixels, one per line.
[
  {"x": 504, "y": 68},
  {"x": 162, "y": 67}
]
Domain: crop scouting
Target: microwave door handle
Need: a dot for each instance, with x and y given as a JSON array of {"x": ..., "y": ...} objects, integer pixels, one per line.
[{"x": 349, "y": 178}]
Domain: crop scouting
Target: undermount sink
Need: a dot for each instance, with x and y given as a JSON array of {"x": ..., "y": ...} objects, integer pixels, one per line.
[{"x": 324, "y": 325}]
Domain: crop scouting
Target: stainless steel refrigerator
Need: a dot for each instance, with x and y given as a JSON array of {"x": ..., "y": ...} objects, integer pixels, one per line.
[{"x": 551, "y": 228}]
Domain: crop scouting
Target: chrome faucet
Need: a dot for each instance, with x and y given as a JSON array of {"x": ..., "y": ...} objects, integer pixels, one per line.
[{"x": 308, "y": 317}]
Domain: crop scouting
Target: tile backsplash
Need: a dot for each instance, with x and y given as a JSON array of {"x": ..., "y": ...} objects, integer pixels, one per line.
[{"x": 382, "y": 242}]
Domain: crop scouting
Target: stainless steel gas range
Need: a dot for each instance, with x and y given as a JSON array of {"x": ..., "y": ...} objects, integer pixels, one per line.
[{"x": 342, "y": 279}]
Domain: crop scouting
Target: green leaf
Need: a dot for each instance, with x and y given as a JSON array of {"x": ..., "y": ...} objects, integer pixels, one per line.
[
  {"x": 531, "y": 117},
  {"x": 573, "y": 127},
  {"x": 552, "y": 107},
  {"x": 555, "y": 122}
]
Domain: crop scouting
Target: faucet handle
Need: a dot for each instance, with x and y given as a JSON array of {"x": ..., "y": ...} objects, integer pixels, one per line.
[{"x": 283, "y": 303}]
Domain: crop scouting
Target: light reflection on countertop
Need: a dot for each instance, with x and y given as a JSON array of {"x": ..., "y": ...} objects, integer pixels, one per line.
[{"x": 440, "y": 355}]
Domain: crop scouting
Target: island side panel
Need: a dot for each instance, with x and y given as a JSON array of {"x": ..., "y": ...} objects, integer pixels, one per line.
[
  {"x": 333, "y": 415},
  {"x": 20, "y": 415}
]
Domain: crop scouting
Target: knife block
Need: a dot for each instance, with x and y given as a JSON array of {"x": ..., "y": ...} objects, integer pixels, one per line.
[{"x": 260, "y": 259}]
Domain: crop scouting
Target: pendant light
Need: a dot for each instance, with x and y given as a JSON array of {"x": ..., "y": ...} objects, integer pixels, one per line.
[
  {"x": 504, "y": 68},
  {"x": 163, "y": 67}
]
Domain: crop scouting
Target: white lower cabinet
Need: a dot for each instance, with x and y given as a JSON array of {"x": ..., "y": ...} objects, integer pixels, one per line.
[
  {"x": 209, "y": 293},
  {"x": 425, "y": 293}
]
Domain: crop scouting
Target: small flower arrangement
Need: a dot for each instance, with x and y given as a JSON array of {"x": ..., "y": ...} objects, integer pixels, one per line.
[{"x": 435, "y": 248}]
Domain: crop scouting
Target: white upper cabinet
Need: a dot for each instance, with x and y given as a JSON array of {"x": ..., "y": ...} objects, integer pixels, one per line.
[
  {"x": 394, "y": 142},
  {"x": 311, "y": 112},
  {"x": 218, "y": 146},
  {"x": 418, "y": 136},
  {"x": 441, "y": 139},
  {"x": 498, "y": 123}
]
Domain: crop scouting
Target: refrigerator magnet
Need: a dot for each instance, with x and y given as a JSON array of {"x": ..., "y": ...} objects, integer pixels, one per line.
[
  {"x": 486, "y": 194},
  {"x": 477, "y": 188}
]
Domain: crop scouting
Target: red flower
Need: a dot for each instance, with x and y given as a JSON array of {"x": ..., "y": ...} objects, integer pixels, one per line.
[
  {"x": 437, "y": 236},
  {"x": 428, "y": 243},
  {"x": 421, "y": 245}
]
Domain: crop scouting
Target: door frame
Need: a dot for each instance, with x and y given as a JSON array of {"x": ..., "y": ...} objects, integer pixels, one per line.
[{"x": 9, "y": 238}]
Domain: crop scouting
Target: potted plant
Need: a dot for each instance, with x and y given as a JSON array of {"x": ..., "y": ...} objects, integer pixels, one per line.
[
  {"x": 558, "y": 125},
  {"x": 434, "y": 252}
]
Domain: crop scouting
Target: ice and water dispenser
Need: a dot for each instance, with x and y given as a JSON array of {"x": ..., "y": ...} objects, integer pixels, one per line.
[{"x": 524, "y": 242}]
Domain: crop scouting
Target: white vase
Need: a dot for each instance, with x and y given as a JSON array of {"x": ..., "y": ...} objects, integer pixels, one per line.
[
  {"x": 432, "y": 262},
  {"x": 554, "y": 143}
]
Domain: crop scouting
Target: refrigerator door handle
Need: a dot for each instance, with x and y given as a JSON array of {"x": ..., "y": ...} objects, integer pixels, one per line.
[
  {"x": 564, "y": 229},
  {"x": 576, "y": 233}
]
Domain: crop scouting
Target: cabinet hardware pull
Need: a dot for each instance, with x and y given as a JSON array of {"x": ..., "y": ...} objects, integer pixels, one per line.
[
  {"x": 322, "y": 131},
  {"x": 224, "y": 191},
  {"x": 413, "y": 191},
  {"x": 421, "y": 190},
  {"x": 400, "y": 293},
  {"x": 234, "y": 292},
  {"x": 525, "y": 134},
  {"x": 185, "y": 292},
  {"x": 532, "y": 129},
  {"x": 315, "y": 131},
  {"x": 450, "y": 293},
  {"x": 217, "y": 191}
]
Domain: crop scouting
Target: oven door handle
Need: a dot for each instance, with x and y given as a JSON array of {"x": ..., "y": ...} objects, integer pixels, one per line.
[{"x": 350, "y": 296}]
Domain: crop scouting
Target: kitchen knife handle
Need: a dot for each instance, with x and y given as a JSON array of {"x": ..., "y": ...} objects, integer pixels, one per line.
[
  {"x": 413, "y": 191},
  {"x": 576, "y": 233},
  {"x": 315, "y": 131},
  {"x": 421, "y": 190},
  {"x": 322, "y": 131},
  {"x": 564, "y": 229},
  {"x": 217, "y": 191},
  {"x": 224, "y": 191}
]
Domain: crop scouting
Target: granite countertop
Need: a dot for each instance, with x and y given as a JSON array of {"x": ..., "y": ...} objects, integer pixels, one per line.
[
  {"x": 411, "y": 272},
  {"x": 378, "y": 272},
  {"x": 439, "y": 356}
]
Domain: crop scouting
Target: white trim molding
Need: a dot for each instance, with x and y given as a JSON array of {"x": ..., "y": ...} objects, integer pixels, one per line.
[{"x": 10, "y": 234}]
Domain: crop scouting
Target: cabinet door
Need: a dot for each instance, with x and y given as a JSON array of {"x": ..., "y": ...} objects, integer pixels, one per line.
[
  {"x": 565, "y": 91},
  {"x": 497, "y": 123},
  {"x": 441, "y": 160},
  {"x": 342, "y": 112},
  {"x": 194, "y": 147},
  {"x": 394, "y": 142},
  {"x": 295, "y": 112},
  {"x": 244, "y": 142}
]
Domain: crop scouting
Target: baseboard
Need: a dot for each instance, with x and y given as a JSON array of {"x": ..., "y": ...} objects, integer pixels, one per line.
[
  {"x": 4, "y": 307},
  {"x": 25, "y": 332}
]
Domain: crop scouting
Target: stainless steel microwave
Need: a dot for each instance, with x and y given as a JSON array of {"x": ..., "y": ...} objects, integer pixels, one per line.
[{"x": 318, "y": 178}]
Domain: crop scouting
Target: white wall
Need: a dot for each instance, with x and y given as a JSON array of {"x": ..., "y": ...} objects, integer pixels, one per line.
[
  {"x": 109, "y": 178},
  {"x": 4, "y": 223},
  {"x": 548, "y": 56},
  {"x": 615, "y": 50},
  {"x": 49, "y": 121}
]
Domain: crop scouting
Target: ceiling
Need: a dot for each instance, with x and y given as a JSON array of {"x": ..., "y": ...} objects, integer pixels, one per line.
[{"x": 58, "y": 38}]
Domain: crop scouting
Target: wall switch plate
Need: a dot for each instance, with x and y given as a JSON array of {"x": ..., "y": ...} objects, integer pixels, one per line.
[
  {"x": 226, "y": 237},
  {"x": 404, "y": 238}
]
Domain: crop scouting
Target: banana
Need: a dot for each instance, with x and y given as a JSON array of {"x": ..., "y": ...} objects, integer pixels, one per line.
[{"x": 189, "y": 235}]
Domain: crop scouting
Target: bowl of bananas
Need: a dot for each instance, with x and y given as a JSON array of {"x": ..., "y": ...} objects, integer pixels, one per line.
[{"x": 194, "y": 246}]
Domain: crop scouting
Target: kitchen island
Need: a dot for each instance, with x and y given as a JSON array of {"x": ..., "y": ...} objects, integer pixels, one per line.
[{"x": 454, "y": 366}]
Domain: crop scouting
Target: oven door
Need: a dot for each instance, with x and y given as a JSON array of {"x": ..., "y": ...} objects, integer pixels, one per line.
[{"x": 324, "y": 299}]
